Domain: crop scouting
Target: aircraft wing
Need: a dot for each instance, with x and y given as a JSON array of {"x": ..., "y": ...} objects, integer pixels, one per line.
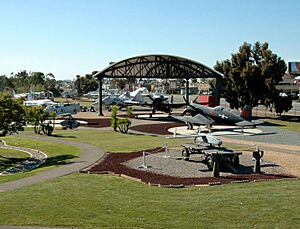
[
  {"x": 63, "y": 114},
  {"x": 131, "y": 102},
  {"x": 196, "y": 120},
  {"x": 249, "y": 124},
  {"x": 245, "y": 124}
]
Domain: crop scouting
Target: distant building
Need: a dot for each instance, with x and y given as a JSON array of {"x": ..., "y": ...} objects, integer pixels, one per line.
[{"x": 289, "y": 84}]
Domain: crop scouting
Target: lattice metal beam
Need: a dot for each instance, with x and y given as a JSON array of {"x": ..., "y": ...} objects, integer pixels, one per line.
[{"x": 158, "y": 66}]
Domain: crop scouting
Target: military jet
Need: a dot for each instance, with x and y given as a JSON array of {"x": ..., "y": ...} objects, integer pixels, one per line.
[
  {"x": 200, "y": 138},
  {"x": 65, "y": 110},
  {"x": 126, "y": 99},
  {"x": 162, "y": 103},
  {"x": 202, "y": 115}
]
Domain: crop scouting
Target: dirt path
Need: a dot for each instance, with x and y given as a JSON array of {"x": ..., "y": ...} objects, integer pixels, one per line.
[{"x": 89, "y": 154}]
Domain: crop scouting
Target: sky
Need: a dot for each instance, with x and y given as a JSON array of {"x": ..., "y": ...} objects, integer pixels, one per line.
[{"x": 75, "y": 37}]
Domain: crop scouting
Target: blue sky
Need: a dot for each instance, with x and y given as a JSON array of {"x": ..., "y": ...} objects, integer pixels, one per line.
[{"x": 70, "y": 37}]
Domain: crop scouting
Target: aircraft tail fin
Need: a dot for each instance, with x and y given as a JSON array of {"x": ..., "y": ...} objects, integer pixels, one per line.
[
  {"x": 139, "y": 97},
  {"x": 247, "y": 113}
]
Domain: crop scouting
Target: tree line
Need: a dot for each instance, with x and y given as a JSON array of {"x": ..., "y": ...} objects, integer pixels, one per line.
[
  {"x": 250, "y": 77},
  {"x": 25, "y": 81}
]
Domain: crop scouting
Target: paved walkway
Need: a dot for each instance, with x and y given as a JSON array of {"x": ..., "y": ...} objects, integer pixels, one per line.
[{"x": 89, "y": 154}]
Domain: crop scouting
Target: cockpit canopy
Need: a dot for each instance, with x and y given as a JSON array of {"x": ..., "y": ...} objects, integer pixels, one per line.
[{"x": 219, "y": 108}]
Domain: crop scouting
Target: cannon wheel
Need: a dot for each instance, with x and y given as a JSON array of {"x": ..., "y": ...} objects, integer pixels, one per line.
[
  {"x": 185, "y": 154},
  {"x": 209, "y": 162}
]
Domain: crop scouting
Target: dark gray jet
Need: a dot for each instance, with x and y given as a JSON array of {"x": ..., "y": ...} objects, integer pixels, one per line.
[
  {"x": 163, "y": 104},
  {"x": 202, "y": 115}
]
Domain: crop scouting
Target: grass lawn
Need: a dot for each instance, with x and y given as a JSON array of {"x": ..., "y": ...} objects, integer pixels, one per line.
[
  {"x": 10, "y": 158},
  {"x": 293, "y": 126},
  {"x": 97, "y": 201},
  {"x": 58, "y": 154},
  {"x": 116, "y": 142}
]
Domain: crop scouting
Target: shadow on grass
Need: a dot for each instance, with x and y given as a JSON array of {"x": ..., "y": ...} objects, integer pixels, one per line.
[
  {"x": 8, "y": 162},
  {"x": 263, "y": 134},
  {"x": 59, "y": 160},
  {"x": 290, "y": 118},
  {"x": 62, "y": 136},
  {"x": 138, "y": 134}
]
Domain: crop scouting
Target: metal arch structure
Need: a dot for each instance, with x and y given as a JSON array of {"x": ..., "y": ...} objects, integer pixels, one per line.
[{"x": 158, "y": 66}]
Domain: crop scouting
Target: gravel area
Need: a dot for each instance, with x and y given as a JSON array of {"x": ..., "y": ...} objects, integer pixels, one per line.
[
  {"x": 177, "y": 172},
  {"x": 174, "y": 165}
]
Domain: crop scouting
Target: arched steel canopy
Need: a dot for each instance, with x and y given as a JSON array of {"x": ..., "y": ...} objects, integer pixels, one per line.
[{"x": 158, "y": 66}]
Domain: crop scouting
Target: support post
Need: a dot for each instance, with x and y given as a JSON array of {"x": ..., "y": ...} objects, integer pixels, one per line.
[
  {"x": 257, "y": 154},
  {"x": 144, "y": 165},
  {"x": 100, "y": 113},
  {"x": 218, "y": 91},
  {"x": 166, "y": 150},
  {"x": 187, "y": 93},
  {"x": 216, "y": 164}
]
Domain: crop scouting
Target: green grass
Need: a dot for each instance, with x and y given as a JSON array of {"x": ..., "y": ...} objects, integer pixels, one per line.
[
  {"x": 116, "y": 142},
  {"x": 289, "y": 125},
  {"x": 58, "y": 154},
  {"x": 10, "y": 158},
  {"x": 97, "y": 201}
]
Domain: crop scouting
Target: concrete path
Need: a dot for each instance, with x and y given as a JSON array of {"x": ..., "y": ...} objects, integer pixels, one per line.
[{"x": 89, "y": 154}]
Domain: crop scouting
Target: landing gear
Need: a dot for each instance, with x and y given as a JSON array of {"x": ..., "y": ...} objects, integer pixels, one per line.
[
  {"x": 185, "y": 154},
  {"x": 209, "y": 162}
]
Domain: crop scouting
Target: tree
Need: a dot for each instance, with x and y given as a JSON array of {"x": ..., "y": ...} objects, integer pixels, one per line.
[
  {"x": 121, "y": 123},
  {"x": 50, "y": 85},
  {"x": 36, "y": 78},
  {"x": 12, "y": 115},
  {"x": 283, "y": 103},
  {"x": 5, "y": 83},
  {"x": 78, "y": 85},
  {"x": 251, "y": 75},
  {"x": 89, "y": 83},
  {"x": 37, "y": 117},
  {"x": 21, "y": 81}
]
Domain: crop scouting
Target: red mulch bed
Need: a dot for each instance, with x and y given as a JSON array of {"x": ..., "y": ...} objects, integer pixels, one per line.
[
  {"x": 113, "y": 163},
  {"x": 157, "y": 128},
  {"x": 97, "y": 123}
]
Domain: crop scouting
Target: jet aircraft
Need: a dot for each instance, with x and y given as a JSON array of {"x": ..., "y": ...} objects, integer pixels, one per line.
[
  {"x": 200, "y": 138},
  {"x": 126, "y": 99},
  {"x": 65, "y": 110},
  {"x": 202, "y": 115},
  {"x": 162, "y": 103}
]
